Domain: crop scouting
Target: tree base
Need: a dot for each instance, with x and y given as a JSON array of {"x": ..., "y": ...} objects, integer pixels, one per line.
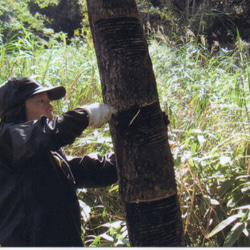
[{"x": 155, "y": 223}]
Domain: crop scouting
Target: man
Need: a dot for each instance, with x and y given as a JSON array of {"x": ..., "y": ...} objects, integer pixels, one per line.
[{"x": 38, "y": 203}]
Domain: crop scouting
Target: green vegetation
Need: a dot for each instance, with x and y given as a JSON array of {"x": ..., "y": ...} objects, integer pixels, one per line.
[
  {"x": 207, "y": 100},
  {"x": 206, "y": 94}
]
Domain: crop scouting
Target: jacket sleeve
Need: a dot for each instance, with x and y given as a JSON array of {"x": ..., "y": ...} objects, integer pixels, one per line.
[
  {"x": 24, "y": 140},
  {"x": 94, "y": 171}
]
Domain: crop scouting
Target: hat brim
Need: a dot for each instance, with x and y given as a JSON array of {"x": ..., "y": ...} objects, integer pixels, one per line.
[{"x": 54, "y": 93}]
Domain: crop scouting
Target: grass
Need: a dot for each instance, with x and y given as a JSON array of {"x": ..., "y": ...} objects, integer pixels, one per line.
[{"x": 207, "y": 100}]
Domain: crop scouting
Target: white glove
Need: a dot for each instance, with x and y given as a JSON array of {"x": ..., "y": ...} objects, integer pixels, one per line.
[{"x": 99, "y": 114}]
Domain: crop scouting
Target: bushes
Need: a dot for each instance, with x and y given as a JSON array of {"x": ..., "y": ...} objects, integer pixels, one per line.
[
  {"x": 207, "y": 100},
  {"x": 16, "y": 21},
  {"x": 204, "y": 19},
  {"x": 215, "y": 20}
]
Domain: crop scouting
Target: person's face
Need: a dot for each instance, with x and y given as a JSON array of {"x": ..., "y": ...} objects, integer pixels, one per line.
[{"x": 38, "y": 105}]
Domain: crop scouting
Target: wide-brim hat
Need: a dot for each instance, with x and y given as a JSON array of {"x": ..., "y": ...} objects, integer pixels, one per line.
[{"x": 16, "y": 90}]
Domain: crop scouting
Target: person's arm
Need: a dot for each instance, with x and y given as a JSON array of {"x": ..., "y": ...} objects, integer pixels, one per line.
[
  {"x": 24, "y": 140},
  {"x": 94, "y": 171}
]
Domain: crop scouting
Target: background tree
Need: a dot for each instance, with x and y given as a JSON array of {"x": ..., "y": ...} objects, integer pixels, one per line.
[{"x": 145, "y": 164}]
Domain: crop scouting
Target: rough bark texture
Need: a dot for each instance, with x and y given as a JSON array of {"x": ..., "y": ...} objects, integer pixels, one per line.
[{"x": 139, "y": 132}]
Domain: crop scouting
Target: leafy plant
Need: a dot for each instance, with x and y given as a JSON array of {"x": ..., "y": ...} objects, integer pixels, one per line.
[{"x": 17, "y": 22}]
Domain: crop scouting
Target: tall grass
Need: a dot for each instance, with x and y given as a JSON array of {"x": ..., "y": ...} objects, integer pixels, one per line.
[{"x": 207, "y": 100}]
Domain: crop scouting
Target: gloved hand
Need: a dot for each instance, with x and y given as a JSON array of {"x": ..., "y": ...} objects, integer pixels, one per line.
[{"x": 99, "y": 114}]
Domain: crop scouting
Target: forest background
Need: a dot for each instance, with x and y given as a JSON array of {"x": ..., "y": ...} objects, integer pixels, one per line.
[{"x": 200, "y": 55}]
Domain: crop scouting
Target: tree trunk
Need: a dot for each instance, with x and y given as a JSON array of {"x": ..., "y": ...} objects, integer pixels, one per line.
[{"x": 139, "y": 132}]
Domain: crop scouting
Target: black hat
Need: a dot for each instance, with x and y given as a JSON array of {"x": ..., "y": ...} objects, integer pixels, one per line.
[{"x": 16, "y": 90}]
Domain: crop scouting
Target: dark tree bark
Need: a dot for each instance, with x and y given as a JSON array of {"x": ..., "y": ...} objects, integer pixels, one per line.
[{"x": 139, "y": 132}]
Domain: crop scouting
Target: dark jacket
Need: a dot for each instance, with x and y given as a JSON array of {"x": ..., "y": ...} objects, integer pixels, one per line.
[{"x": 38, "y": 203}]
